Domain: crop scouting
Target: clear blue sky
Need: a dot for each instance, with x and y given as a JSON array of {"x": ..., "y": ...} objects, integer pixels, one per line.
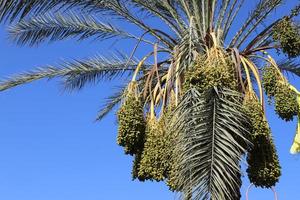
[{"x": 50, "y": 149}]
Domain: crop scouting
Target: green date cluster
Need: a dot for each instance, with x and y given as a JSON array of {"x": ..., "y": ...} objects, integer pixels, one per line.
[
  {"x": 147, "y": 140},
  {"x": 211, "y": 73},
  {"x": 132, "y": 125},
  {"x": 276, "y": 87},
  {"x": 263, "y": 164},
  {"x": 286, "y": 32}
]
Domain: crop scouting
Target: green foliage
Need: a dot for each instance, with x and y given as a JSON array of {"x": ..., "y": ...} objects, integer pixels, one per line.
[
  {"x": 236, "y": 191},
  {"x": 291, "y": 66},
  {"x": 131, "y": 120},
  {"x": 263, "y": 165},
  {"x": 61, "y": 26},
  {"x": 77, "y": 73},
  {"x": 287, "y": 34},
  {"x": 173, "y": 175},
  {"x": 210, "y": 126}
]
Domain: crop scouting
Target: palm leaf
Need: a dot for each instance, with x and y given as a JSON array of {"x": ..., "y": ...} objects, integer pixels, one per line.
[
  {"x": 110, "y": 103},
  {"x": 12, "y": 9},
  {"x": 76, "y": 73},
  {"x": 165, "y": 11},
  {"x": 19, "y": 9},
  {"x": 290, "y": 66},
  {"x": 60, "y": 26},
  {"x": 262, "y": 9},
  {"x": 212, "y": 130}
]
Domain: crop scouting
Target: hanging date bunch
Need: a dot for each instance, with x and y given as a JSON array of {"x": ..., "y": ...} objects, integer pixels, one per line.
[
  {"x": 287, "y": 33},
  {"x": 155, "y": 162},
  {"x": 277, "y": 87},
  {"x": 214, "y": 69},
  {"x": 131, "y": 130},
  {"x": 263, "y": 165}
]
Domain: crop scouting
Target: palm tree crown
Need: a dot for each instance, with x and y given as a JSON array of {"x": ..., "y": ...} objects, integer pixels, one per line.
[{"x": 188, "y": 118}]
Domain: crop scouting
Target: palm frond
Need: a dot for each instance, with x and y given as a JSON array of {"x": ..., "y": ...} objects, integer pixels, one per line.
[
  {"x": 76, "y": 73},
  {"x": 113, "y": 67},
  {"x": 231, "y": 16},
  {"x": 19, "y": 9},
  {"x": 186, "y": 7},
  {"x": 259, "y": 13},
  {"x": 13, "y": 9},
  {"x": 212, "y": 130},
  {"x": 58, "y": 26},
  {"x": 257, "y": 23},
  {"x": 266, "y": 33},
  {"x": 110, "y": 103},
  {"x": 224, "y": 5},
  {"x": 151, "y": 8},
  {"x": 120, "y": 8},
  {"x": 290, "y": 66}
]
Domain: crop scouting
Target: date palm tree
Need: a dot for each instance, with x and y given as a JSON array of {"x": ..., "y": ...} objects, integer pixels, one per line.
[{"x": 190, "y": 116}]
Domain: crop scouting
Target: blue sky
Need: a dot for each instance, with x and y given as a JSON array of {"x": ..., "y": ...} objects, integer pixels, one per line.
[{"x": 50, "y": 149}]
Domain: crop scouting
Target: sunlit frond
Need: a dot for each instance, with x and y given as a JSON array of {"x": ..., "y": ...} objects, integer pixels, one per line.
[
  {"x": 110, "y": 103},
  {"x": 290, "y": 66},
  {"x": 60, "y": 26},
  {"x": 76, "y": 73},
  {"x": 212, "y": 129},
  {"x": 257, "y": 15}
]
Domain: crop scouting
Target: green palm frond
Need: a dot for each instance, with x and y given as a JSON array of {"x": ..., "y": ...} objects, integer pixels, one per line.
[
  {"x": 290, "y": 66},
  {"x": 212, "y": 129},
  {"x": 166, "y": 10},
  {"x": 60, "y": 26},
  {"x": 112, "y": 67},
  {"x": 19, "y": 9},
  {"x": 111, "y": 102},
  {"x": 263, "y": 9},
  {"x": 12, "y": 9},
  {"x": 233, "y": 12},
  {"x": 120, "y": 8},
  {"x": 268, "y": 8},
  {"x": 76, "y": 73}
]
